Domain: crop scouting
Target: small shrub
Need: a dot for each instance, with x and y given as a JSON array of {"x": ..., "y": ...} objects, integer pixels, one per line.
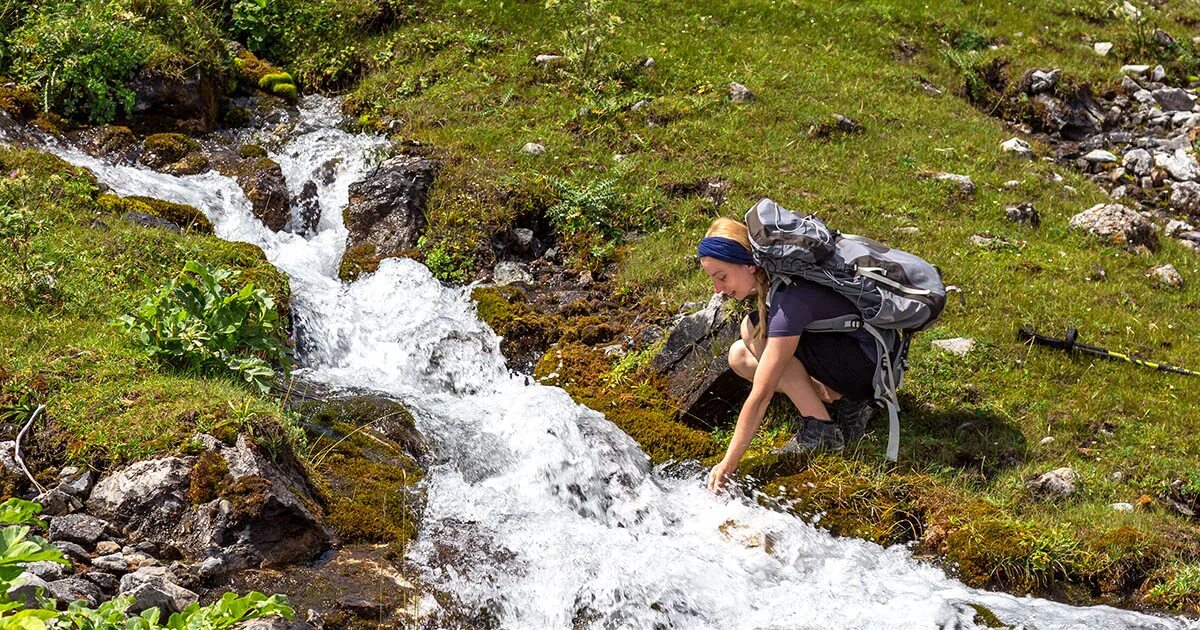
[
  {"x": 197, "y": 323},
  {"x": 447, "y": 262}
]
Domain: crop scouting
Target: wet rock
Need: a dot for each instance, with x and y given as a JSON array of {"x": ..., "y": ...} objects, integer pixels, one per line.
[
  {"x": 695, "y": 362},
  {"x": 179, "y": 101},
  {"x": 1185, "y": 197},
  {"x": 48, "y": 571},
  {"x": 362, "y": 606},
  {"x": 308, "y": 210},
  {"x": 1116, "y": 223},
  {"x": 1181, "y": 165},
  {"x": 1017, "y": 147},
  {"x": 1058, "y": 483},
  {"x": 145, "y": 500},
  {"x": 81, "y": 529},
  {"x": 266, "y": 189},
  {"x": 74, "y": 589},
  {"x": 156, "y": 587},
  {"x": 27, "y": 588},
  {"x": 104, "y": 140},
  {"x": 958, "y": 346},
  {"x": 964, "y": 183},
  {"x": 1023, "y": 213},
  {"x": 533, "y": 148},
  {"x": 739, "y": 93},
  {"x": 508, "y": 272},
  {"x": 1138, "y": 162},
  {"x": 1166, "y": 276},
  {"x": 522, "y": 239},
  {"x": 1174, "y": 99},
  {"x": 387, "y": 207},
  {"x": 145, "y": 220}
]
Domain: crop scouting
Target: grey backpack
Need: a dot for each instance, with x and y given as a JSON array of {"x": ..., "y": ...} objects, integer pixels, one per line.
[{"x": 896, "y": 293}]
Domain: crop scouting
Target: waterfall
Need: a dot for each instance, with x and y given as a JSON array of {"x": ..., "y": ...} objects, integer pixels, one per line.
[{"x": 540, "y": 512}]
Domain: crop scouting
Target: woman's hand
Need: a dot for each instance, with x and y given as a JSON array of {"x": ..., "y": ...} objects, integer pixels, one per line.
[{"x": 719, "y": 475}]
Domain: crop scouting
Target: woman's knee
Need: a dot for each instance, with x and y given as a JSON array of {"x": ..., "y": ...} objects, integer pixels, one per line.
[{"x": 741, "y": 360}]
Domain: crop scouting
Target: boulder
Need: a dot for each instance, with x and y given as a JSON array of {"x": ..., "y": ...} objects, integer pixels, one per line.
[
  {"x": 73, "y": 589},
  {"x": 48, "y": 571},
  {"x": 1180, "y": 165},
  {"x": 145, "y": 500},
  {"x": 81, "y": 529},
  {"x": 1116, "y": 223},
  {"x": 185, "y": 102},
  {"x": 387, "y": 207},
  {"x": 1173, "y": 99},
  {"x": 261, "y": 178},
  {"x": 308, "y": 210},
  {"x": 1038, "y": 81},
  {"x": 1072, "y": 118},
  {"x": 695, "y": 362},
  {"x": 1166, "y": 276},
  {"x": 155, "y": 587},
  {"x": 1138, "y": 162},
  {"x": 1185, "y": 197},
  {"x": 1058, "y": 483},
  {"x": 55, "y": 502},
  {"x": 27, "y": 587}
]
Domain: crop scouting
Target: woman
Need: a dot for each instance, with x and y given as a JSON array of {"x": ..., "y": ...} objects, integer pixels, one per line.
[{"x": 813, "y": 370}]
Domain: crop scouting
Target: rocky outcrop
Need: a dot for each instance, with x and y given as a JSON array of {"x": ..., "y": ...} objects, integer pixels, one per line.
[
  {"x": 184, "y": 103},
  {"x": 387, "y": 207},
  {"x": 1118, "y": 224},
  {"x": 261, "y": 178},
  {"x": 696, "y": 365}
]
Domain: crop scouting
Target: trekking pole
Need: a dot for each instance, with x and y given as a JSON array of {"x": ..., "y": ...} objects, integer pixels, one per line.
[{"x": 1026, "y": 334}]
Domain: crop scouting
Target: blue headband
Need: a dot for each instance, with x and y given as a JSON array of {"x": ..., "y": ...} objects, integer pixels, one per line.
[{"x": 725, "y": 249}]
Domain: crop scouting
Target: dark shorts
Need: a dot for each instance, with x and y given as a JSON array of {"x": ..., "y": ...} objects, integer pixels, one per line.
[{"x": 837, "y": 361}]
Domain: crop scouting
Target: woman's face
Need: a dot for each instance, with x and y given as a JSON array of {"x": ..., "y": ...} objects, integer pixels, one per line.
[{"x": 733, "y": 280}]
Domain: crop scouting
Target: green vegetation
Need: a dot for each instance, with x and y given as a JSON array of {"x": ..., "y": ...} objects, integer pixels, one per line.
[{"x": 18, "y": 548}]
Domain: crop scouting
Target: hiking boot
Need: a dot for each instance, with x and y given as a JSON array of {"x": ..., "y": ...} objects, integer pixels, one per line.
[
  {"x": 852, "y": 416},
  {"x": 817, "y": 435}
]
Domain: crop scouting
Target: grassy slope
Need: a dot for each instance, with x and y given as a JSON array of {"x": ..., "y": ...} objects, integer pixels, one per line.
[{"x": 805, "y": 62}]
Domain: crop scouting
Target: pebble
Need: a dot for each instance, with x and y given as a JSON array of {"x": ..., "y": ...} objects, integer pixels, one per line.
[
  {"x": 1017, "y": 147},
  {"x": 1102, "y": 48},
  {"x": 1047, "y": 440},
  {"x": 1166, "y": 276},
  {"x": 533, "y": 148},
  {"x": 1122, "y": 507},
  {"x": 959, "y": 346}
]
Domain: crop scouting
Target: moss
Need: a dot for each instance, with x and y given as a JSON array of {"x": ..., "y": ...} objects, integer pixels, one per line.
[
  {"x": 18, "y": 101},
  {"x": 182, "y": 215},
  {"x": 237, "y": 116},
  {"x": 50, "y": 123},
  {"x": 208, "y": 476},
  {"x": 247, "y": 495},
  {"x": 268, "y": 82},
  {"x": 252, "y": 151},
  {"x": 249, "y": 70},
  {"x": 985, "y": 617},
  {"x": 170, "y": 147},
  {"x": 525, "y": 331},
  {"x": 358, "y": 260},
  {"x": 191, "y": 164},
  {"x": 285, "y": 90}
]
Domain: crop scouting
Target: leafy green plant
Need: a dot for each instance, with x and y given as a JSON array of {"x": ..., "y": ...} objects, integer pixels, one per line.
[
  {"x": 586, "y": 206},
  {"x": 589, "y": 25},
  {"x": 447, "y": 262},
  {"x": 196, "y": 322},
  {"x": 253, "y": 21}
]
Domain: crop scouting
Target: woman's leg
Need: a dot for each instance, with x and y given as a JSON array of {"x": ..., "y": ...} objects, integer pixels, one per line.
[{"x": 805, "y": 393}]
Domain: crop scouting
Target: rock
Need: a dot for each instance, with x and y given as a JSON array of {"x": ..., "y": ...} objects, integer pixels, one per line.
[
  {"x": 988, "y": 241},
  {"x": 1057, "y": 483},
  {"x": 1129, "y": 85},
  {"x": 958, "y": 346},
  {"x": 115, "y": 563},
  {"x": 508, "y": 272},
  {"x": 1043, "y": 80},
  {"x": 1138, "y": 162},
  {"x": 1144, "y": 97},
  {"x": 1175, "y": 228},
  {"x": 77, "y": 483},
  {"x": 308, "y": 211},
  {"x": 106, "y": 547},
  {"x": 1023, "y": 213},
  {"x": 48, "y": 571},
  {"x": 77, "y": 528},
  {"x": 639, "y": 106},
  {"x": 72, "y": 550},
  {"x": 1011, "y": 184},
  {"x": 184, "y": 101},
  {"x": 648, "y": 63},
  {"x": 1122, "y": 507},
  {"x": 1180, "y": 165},
  {"x": 73, "y": 589},
  {"x": 107, "y": 582},
  {"x": 522, "y": 238},
  {"x": 211, "y": 567},
  {"x": 1134, "y": 69},
  {"x": 533, "y": 148},
  {"x": 1047, "y": 440},
  {"x": 27, "y": 587},
  {"x": 1116, "y": 223},
  {"x": 104, "y": 140},
  {"x": 739, "y": 93},
  {"x": 1185, "y": 197},
  {"x": 55, "y": 502},
  {"x": 695, "y": 364},
  {"x": 1099, "y": 156},
  {"x": 1017, "y": 147},
  {"x": 965, "y": 185},
  {"x": 847, "y": 125},
  {"x": 387, "y": 207},
  {"x": 548, "y": 61},
  {"x": 1117, "y": 193},
  {"x": 1166, "y": 276},
  {"x": 361, "y": 606},
  {"x": 1174, "y": 99},
  {"x": 145, "y": 500},
  {"x": 155, "y": 587},
  {"x": 145, "y": 220},
  {"x": 1102, "y": 48},
  {"x": 908, "y": 230},
  {"x": 266, "y": 189},
  {"x": 1159, "y": 74}
]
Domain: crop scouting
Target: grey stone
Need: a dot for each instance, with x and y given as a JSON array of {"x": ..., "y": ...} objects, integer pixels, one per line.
[
  {"x": 1011, "y": 184},
  {"x": 1175, "y": 227},
  {"x": 106, "y": 547},
  {"x": 106, "y": 581},
  {"x": 1145, "y": 97},
  {"x": 533, "y": 148},
  {"x": 1134, "y": 69},
  {"x": 1175, "y": 143},
  {"x": 694, "y": 360},
  {"x": 166, "y": 596},
  {"x": 145, "y": 500},
  {"x": 1139, "y": 162},
  {"x": 55, "y": 502},
  {"x": 1058, "y": 483},
  {"x": 72, "y": 550},
  {"x": 48, "y": 571},
  {"x": 387, "y": 207},
  {"x": 1174, "y": 99},
  {"x": 207, "y": 442},
  {"x": 648, "y": 63},
  {"x": 27, "y": 587},
  {"x": 1049, "y": 439},
  {"x": 1129, "y": 85},
  {"x": 1158, "y": 74},
  {"x": 77, "y": 528},
  {"x": 508, "y": 272},
  {"x": 963, "y": 182},
  {"x": 639, "y": 106},
  {"x": 958, "y": 346},
  {"x": 1100, "y": 156},
  {"x": 1017, "y": 147},
  {"x": 1116, "y": 223},
  {"x": 211, "y": 567},
  {"x": 1117, "y": 193},
  {"x": 908, "y": 230},
  {"x": 1122, "y": 507},
  {"x": 1023, "y": 213},
  {"x": 1043, "y": 81},
  {"x": 739, "y": 93},
  {"x": 1102, "y": 48},
  {"x": 1166, "y": 276},
  {"x": 548, "y": 61},
  {"x": 1185, "y": 197},
  {"x": 1190, "y": 236},
  {"x": 78, "y": 484},
  {"x": 74, "y": 589},
  {"x": 115, "y": 563},
  {"x": 1181, "y": 165},
  {"x": 522, "y": 238}
]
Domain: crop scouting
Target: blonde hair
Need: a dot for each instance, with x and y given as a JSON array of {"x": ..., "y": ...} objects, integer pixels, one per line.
[{"x": 734, "y": 230}]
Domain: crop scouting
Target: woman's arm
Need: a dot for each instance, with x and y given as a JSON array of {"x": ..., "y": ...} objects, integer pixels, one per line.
[{"x": 771, "y": 365}]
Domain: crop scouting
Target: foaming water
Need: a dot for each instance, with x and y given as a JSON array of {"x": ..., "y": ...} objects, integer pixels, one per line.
[{"x": 541, "y": 513}]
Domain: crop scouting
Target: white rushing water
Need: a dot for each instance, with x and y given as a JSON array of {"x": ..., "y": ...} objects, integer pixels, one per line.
[{"x": 540, "y": 511}]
